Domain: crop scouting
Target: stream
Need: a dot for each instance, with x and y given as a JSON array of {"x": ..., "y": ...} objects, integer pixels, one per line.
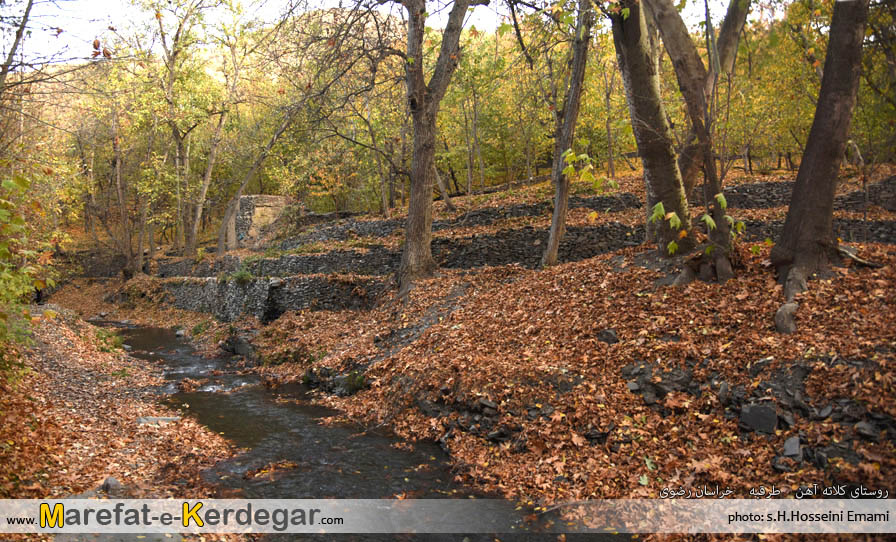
[{"x": 282, "y": 426}]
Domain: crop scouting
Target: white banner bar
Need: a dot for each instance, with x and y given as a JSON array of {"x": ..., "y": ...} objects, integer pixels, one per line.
[{"x": 446, "y": 516}]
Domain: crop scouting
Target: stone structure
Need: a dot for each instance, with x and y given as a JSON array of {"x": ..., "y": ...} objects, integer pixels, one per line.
[
  {"x": 256, "y": 212},
  {"x": 268, "y": 298}
]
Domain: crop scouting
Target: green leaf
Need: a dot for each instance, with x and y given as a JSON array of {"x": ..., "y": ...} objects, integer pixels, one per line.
[
  {"x": 720, "y": 199},
  {"x": 569, "y": 170},
  {"x": 643, "y": 480},
  {"x": 710, "y": 223},
  {"x": 650, "y": 464},
  {"x": 674, "y": 221},
  {"x": 672, "y": 247},
  {"x": 625, "y": 14},
  {"x": 659, "y": 212},
  {"x": 586, "y": 176}
]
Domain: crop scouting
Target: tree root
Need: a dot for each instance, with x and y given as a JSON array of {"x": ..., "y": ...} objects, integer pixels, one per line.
[{"x": 851, "y": 254}]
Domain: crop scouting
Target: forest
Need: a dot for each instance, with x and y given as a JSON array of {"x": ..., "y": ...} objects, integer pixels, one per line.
[{"x": 557, "y": 250}]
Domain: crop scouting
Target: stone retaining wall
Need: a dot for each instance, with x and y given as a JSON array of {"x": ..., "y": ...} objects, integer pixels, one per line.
[{"x": 268, "y": 298}]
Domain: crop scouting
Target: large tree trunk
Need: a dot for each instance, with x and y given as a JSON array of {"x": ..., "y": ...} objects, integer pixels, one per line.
[
  {"x": 416, "y": 259},
  {"x": 423, "y": 103},
  {"x": 566, "y": 131},
  {"x": 650, "y": 125},
  {"x": 692, "y": 80},
  {"x": 807, "y": 242}
]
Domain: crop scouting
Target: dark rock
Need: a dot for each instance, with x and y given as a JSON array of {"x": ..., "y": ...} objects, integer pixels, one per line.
[
  {"x": 239, "y": 346},
  {"x": 824, "y": 412},
  {"x": 684, "y": 278},
  {"x": 817, "y": 457},
  {"x": 180, "y": 333},
  {"x": 595, "y": 436},
  {"x": 867, "y": 430},
  {"x": 633, "y": 386},
  {"x": 501, "y": 434},
  {"x": 723, "y": 393},
  {"x": 347, "y": 384},
  {"x": 759, "y": 417},
  {"x": 786, "y": 418},
  {"x": 781, "y": 464},
  {"x": 792, "y": 447},
  {"x": 608, "y": 336},
  {"x": 484, "y": 403},
  {"x": 757, "y": 366},
  {"x": 110, "y": 484}
]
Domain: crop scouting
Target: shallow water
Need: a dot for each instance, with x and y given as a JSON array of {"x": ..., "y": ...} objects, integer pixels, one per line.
[{"x": 281, "y": 426}]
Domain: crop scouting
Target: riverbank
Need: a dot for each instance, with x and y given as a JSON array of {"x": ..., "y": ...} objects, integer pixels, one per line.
[
  {"x": 592, "y": 379},
  {"x": 82, "y": 417}
]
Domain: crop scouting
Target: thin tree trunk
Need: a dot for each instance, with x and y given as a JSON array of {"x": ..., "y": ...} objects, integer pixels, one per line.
[
  {"x": 690, "y": 157},
  {"x": 476, "y": 140},
  {"x": 566, "y": 131},
  {"x": 11, "y": 55},
  {"x": 206, "y": 182},
  {"x": 443, "y": 192},
  {"x": 693, "y": 82},
  {"x": 608, "y": 91},
  {"x": 125, "y": 229},
  {"x": 138, "y": 266},
  {"x": 469, "y": 154},
  {"x": 228, "y": 224},
  {"x": 807, "y": 242}
]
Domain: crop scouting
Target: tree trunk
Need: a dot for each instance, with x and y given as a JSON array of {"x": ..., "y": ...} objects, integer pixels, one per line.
[
  {"x": 608, "y": 91},
  {"x": 125, "y": 228},
  {"x": 443, "y": 192},
  {"x": 469, "y": 154},
  {"x": 138, "y": 265},
  {"x": 566, "y": 131},
  {"x": 693, "y": 80},
  {"x": 150, "y": 237},
  {"x": 206, "y": 182},
  {"x": 690, "y": 157},
  {"x": 227, "y": 232},
  {"x": 807, "y": 242},
  {"x": 423, "y": 103},
  {"x": 651, "y": 126}
]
